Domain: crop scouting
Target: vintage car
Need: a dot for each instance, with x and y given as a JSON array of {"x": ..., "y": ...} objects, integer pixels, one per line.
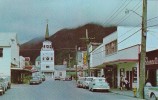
[
  {"x": 2, "y": 86},
  {"x": 99, "y": 83},
  {"x": 80, "y": 82},
  {"x": 35, "y": 80},
  {"x": 150, "y": 92},
  {"x": 87, "y": 81},
  {"x": 57, "y": 78}
]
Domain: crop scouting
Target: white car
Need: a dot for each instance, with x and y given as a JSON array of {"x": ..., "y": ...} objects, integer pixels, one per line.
[
  {"x": 87, "y": 81},
  {"x": 99, "y": 83},
  {"x": 150, "y": 92},
  {"x": 80, "y": 82}
]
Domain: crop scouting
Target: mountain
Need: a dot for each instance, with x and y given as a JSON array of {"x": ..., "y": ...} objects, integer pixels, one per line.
[{"x": 65, "y": 40}]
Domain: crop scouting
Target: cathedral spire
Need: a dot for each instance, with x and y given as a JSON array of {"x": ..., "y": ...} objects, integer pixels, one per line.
[{"x": 47, "y": 32}]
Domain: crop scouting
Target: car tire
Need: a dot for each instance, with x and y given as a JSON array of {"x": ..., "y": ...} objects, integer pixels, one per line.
[
  {"x": 153, "y": 97},
  {"x": 93, "y": 90}
]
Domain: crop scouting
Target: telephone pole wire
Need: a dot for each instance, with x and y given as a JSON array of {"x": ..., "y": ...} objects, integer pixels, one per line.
[{"x": 143, "y": 51}]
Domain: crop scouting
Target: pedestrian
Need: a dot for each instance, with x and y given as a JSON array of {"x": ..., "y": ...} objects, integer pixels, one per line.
[
  {"x": 126, "y": 83},
  {"x": 121, "y": 82}
]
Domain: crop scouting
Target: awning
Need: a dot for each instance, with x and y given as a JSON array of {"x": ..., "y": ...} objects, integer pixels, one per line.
[{"x": 120, "y": 61}]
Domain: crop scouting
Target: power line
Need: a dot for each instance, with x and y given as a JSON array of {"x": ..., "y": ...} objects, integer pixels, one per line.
[
  {"x": 120, "y": 41},
  {"x": 115, "y": 11},
  {"x": 121, "y": 10},
  {"x": 124, "y": 18}
]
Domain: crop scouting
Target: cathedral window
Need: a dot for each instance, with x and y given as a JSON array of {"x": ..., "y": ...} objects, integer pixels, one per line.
[
  {"x": 47, "y": 66},
  {"x": 47, "y": 58}
]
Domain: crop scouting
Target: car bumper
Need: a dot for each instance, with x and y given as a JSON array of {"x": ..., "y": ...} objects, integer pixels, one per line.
[{"x": 98, "y": 88}]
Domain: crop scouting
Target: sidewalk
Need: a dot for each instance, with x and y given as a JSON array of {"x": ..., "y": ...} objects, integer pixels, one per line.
[{"x": 123, "y": 92}]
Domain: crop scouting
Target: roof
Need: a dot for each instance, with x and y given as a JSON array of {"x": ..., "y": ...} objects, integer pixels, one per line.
[
  {"x": 38, "y": 58},
  {"x": 7, "y": 38},
  {"x": 60, "y": 67}
]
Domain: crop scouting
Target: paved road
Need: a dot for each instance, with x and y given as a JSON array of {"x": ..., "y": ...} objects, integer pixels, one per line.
[{"x": 57, "y": 90}]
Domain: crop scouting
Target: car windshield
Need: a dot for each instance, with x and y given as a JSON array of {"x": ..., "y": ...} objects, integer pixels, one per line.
[
  {"x": 100, "y": 80},
  {"x": 34, "y": 78},
  {"x": 89, "y": 79}
]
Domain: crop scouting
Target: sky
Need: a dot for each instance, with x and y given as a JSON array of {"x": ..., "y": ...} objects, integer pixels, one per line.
[{"x": 28, "y": 17}]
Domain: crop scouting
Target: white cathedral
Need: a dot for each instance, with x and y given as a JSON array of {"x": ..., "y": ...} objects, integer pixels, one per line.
[
  {"x": 45, "y": 62},
  {"x": 47, "y": 56}
]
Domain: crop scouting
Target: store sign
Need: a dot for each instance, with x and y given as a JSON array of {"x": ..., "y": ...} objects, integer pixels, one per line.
[{"x": 151, "y": 62}]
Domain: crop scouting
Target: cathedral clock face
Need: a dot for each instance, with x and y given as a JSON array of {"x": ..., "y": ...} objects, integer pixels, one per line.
[
  {"x": 47, "y": 46},
  {"x": 47, "y": 58}
]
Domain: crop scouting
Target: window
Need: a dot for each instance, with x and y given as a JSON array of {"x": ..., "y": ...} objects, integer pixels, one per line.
[
  {"x": 51, "y": 58},
  {"x": 47, "y": 66},
  {"x": 60, "y": 73},
  {"x": 43, "y": 58},
  {"x": 111, "y": 47},
  {"x": 1, "y": 52}
]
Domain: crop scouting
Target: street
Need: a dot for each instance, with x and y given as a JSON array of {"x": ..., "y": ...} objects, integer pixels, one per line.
[{"x": 57, "y": 90}]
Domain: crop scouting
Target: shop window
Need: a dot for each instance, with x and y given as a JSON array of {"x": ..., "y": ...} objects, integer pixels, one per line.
[
  {"x": 47, "y": 66},
  {"x": 122, "y": 71},
  {"x": 134, "y": 70},
  {"x": 1, "y": 52}
]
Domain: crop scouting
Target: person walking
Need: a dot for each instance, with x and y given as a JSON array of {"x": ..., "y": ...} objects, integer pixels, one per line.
[
  {"x": 126, "y": 83},
  {"x": 121, "y": 82}
]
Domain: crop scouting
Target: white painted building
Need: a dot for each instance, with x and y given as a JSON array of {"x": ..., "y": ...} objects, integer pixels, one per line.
[
  {"x": 9, "y": 52},
  {"x": 116, "y": 62},
  {"x": 47, "y": 57},
  {"x": 22, "y": 62},
  {"x": 60, "y": 70}
]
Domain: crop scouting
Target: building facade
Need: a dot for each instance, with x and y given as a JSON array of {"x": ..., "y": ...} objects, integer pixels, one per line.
[
  {"x": 9, "y": 53},
  {"x": 116, "y": 63},
  {"x": 47, "y": 57}
]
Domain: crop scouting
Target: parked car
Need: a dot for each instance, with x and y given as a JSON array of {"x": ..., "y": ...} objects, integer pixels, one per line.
[
  {"x": 87, "y": 81},
  {"x": 68, "y": 78},
  {"x": 99, "y": 83},
  {"x": 43, "y": 77},
  {"x": 40, "y": 78},
  {"x": 2, "y": 86},
  {"x": 57, "y": 78},
  {"x": 35, "y": 80},
  {"x": 7, "y": 81},
  {"x": 150, "y": 92},
  {"x": 80, "y": 82}
]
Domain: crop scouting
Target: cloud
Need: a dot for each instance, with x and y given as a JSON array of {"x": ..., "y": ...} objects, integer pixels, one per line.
[{"x": 28, "y": 17}]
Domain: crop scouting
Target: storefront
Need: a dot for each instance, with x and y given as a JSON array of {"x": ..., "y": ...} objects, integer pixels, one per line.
[{"x": 151, "y": 62}]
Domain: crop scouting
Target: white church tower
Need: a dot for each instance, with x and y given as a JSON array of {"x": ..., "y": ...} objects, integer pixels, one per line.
[{"x": 47, "y": 56}]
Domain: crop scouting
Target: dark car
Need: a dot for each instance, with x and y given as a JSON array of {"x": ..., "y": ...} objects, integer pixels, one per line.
[
  {"x": 43, "y": 77},
  {"x": 35, "y": 80},
  {"x": 57, "y": 78},
  {"x": 67, "y": 79}
]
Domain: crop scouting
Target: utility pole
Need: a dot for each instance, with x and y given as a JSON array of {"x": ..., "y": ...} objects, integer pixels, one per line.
[
  {"x": 88, "y": 54},
  {"x": 69, "y": 63},
  {"x": 143, "y": 50},
  {"x": 76, "y": 63}
]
